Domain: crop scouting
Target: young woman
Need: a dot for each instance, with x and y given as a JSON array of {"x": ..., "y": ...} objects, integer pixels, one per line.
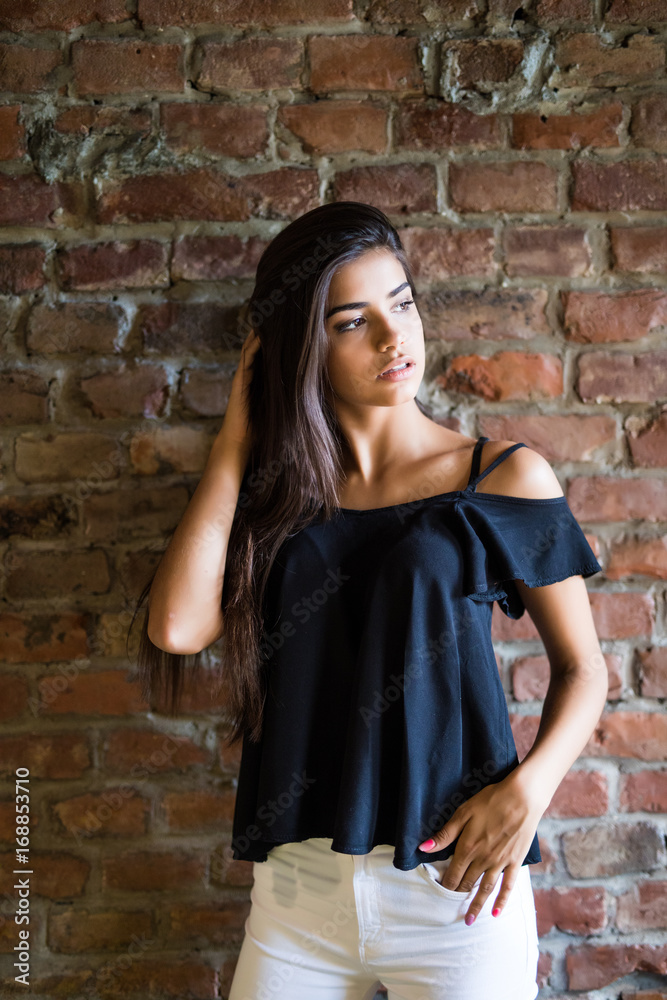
[{"x": 348, "y": 550}]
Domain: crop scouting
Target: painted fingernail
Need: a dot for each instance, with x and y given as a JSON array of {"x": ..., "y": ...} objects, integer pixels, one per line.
[
  {"x": 427, "y": 845},
  {"x": 470, "y": 919},
  {"x": 495, "y": 912}
]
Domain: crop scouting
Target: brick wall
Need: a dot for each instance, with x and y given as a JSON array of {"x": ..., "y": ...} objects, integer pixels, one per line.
[{"x": 150, "y": 150}]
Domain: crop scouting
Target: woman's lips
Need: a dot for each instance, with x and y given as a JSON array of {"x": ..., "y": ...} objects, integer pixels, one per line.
[{"x": 398, "y": 376}]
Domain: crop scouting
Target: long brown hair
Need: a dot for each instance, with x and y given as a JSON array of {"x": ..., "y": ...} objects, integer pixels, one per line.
[{"x": 295, "y": 463}]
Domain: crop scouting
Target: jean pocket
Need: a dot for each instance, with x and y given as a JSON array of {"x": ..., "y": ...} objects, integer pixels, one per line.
[{"x": 433, "y": 875}]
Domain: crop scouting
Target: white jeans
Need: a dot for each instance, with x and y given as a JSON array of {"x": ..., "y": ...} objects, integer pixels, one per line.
[{"x": 330, "y": 926}]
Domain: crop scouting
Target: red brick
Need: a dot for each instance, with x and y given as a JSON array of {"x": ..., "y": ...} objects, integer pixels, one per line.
[
  {"x": 91, "y": 457},
  {"x": 640, "y": 249},
  {"x": 142, "y": 753},
  {"x": 23, "y": 397},
  {"x": 634, "y": 185},
  {"x": 580, "y": 793},
  {"x": 643, "y": 557},
  {"x": 13, "y": 696},
  {"x": 193, "y": 327},
  {"x": 116, "y": 811},
  {"x": 146, "y": 871},
  {"x": 207, "y": 926},
  {"x": 205, "y": 393},
  {"x": 647, "y": 441},
  {"x": 255, "y": 13},
  {"x": 198, "y": 811},
  {"x": 583, "y": 60},
  {"x": 596, "y": 317},
  {"x": 437, "y": 253},
  {"x": 337, "y": 126},
  {"x": 12, "y": 133},
  {"x": 126, "y": 67},
  {"x": 28, "y": 638},
  {"x": 518, "y": 186},
  {"x": 21, "y": 268},
  {"x": 57, "y": 875},
  {"x": 505, "y": 375},
  {"x": 76, "y": 931},
  {"x": 63, "y": 327},
  {"x": 126, "y": 514},
  {"x": 622, "y": 615},
  {"x": 564, "y": 10},
  {"x": 210, "y": 258},
  {"x": 118, "y": 264},
  {"x": 643, "y": 907},
  {"x": 27, "y": 71},
  {"x": 545, "y": 250},
  {"x": 475, "y": 60},
  {"x": 85, "y": 120},
  {"x": 638, "y": 735},
  {"x": 649, "y": 122},
  {"x": 531, "y": 675},
  {"x": 56, "y": 756},
  {"x": 560, "y": 438},
  {"x": 181, "y": 448},
  {"x": 421, "y": 11},
  {"x": 652, "y": 672},
  {"x": 140, "y": 391},
  {"x": 48, "y": 572},
  {"x": 99, "y": 692},
  {"x": 434, "y": 124},
  {"x": 396, "y": 190},
  {"x": 606, "y": 498},
  {"x": 597, "y": 128},
  {"x": 33, "y": 15},
  {"x": 364, "y": 62},
  {"x": 579, "y": 910},
  {"x": 26, "y": 200},
  {"x": 621, "y": 377},
  {"x": 36, "y": 517},
  {"x": 489, "y": 314},
  {"x": 644, "y": 791},
  {"x": 591, "y": 967},
  {"x": 524, "y": 731},
  {"x": 611, "y": 849},
  {"x": 636, "y": 12},
  {"x": 251, "y": 64},
  {"x": 136, "y": 976},
  {"x": 227, "y": 130}
]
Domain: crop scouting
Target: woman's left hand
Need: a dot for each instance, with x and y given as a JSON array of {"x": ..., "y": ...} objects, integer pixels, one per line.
[{"x": 495, "y": 828}]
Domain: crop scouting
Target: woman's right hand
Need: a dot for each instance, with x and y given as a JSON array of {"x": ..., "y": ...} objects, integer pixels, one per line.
[{"x": 236, "y": 423}]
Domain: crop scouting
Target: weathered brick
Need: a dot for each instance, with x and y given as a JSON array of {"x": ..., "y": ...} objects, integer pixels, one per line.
[
  {"x": 560, "y": 438},
  {"x": 622, "y": 615},
  {"x": 584, "y": 60},
  {"x": 92, "y": 457},
  {"x": 518, "y": 186},
  {"x": 337, "y": 126},
  {"x": 99, "y": 692},
  {"x": 142, "y": 753},
  {"x": 210, "y": 258},
  {"x": 640, "y": 249},
  {"x": 609, "y": 498},
  {"x": 396, "y": 190},
  {"x": 644, "y": 791},
  {"x": 531, "y": 675},
  {"x": 640, "y": 735},
  {"x": 57, "y": 756},
  {"x": 23, "y": 397},
  {"x": 487, "y": 314},
  {"x": 210, "y": 926},
  {"x": 580, "y": 793},
  {"x": 139, "y": 391},
  {"x": 126, "y": 67},
  {"x": 32, "y": 15},
  {"x": 643, "y": 907},
  {"x": 146, "y": 871},
  {"x": 65, "y": 327},
  {"x": 421, "y": 11},
  {"x": 172, "y": 327},
  {"x": 198, "y": 810},
  {"x": 648, "y": 125},
  {"x": 255, "y": 13},
  {"x": 595, "y": 317},
  {"x": 476, "y": 61},
  {"x": 438, "y": 253},
  {"x": 636, "y": 12},
  {"x": 130, "y": 264},
  {"x": 251, "y": 64},
  {"x": 652, "y": 672},
  {"x": 205, "y": 393},
  {"x": 611, "y": 849},
  {"x": 12, "y": 133},
  {"x": 179, "y": 449},
  {"x": 227, "y": 130},
  {"x": 24, "y": 70},
  {"x": 432, "y": 125},
  {"x": 140, "y": 976},
  {"x": 126, "y": 514},
  {"x": 86, "y": 120},
  {"x": 21, "y": 268},
  {"x": 564, "y": 10},
  {"x": 50, "y": 573},
  {"x": 59, "y": 875},
  {"x": 13, "y": 696},
  {"x": 647, "y": 441},
  {"x": 364, "y": 62},
  {"x": 543, "y": 250},
  {"x": 579, "y": 130},
  {"x": 505, "y": 375},
  {"x": 591, "y": 967},
  {"x": 116, "y": 811},
  {"x": 76, "y": 931},
  {"x": 27, "y": 200},
  {"x": 630, "y": 185},
  {"x": 579, "y": 910},
  {"x": 621, "y": 377},
  {"x": 36, "y": 517},
  {"x": 28, "y": 638},
  {"x": 633, "y": 556}
]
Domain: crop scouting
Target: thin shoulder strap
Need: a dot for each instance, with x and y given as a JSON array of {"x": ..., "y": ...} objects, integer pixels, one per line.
[{"x": 475, "y": 475}]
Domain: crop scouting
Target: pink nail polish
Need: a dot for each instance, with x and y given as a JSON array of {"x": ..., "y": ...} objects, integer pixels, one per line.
[
  {"x": 470, "y": 918},
  {"x": 427, "y": 845},
  {"x": 495, "y": 912}
]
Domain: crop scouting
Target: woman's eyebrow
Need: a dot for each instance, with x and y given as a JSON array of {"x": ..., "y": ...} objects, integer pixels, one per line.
[{"x": 359, "y": 305}]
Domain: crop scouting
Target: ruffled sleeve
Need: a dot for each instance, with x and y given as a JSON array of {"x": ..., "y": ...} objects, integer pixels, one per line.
[{"x": 538, "y": 541}]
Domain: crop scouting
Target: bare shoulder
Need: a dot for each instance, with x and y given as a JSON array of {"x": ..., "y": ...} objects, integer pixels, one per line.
[{"x": 524, "y": 473}]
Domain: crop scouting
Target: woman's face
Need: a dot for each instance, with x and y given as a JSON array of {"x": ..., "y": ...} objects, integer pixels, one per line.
[{"x": 377, "y": 324}]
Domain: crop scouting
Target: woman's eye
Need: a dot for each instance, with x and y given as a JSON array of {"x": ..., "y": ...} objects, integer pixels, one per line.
[
  {"x": 407, "y": 302},
  {"x": 342, "y": 327}
]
